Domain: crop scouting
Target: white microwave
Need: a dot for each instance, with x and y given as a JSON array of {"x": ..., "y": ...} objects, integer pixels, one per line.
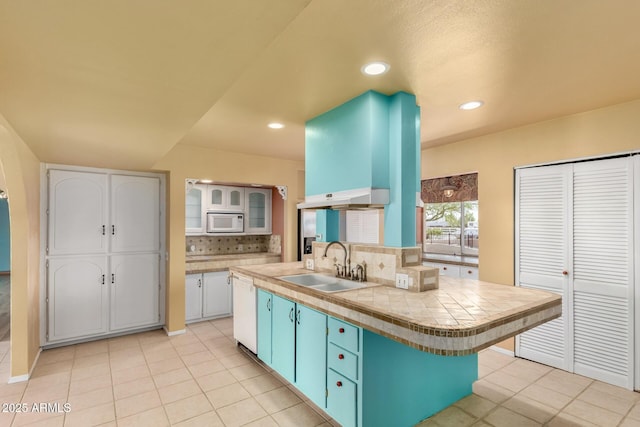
[{"x": 225, "y": 222}]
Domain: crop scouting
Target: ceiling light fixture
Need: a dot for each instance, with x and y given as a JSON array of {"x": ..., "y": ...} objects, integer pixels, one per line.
[
  {"x": 375, "y": 68},
  {"x": 275, "y": 125},
  {"x": 471, "y": 105},
  {"x": 206, "y": 181},
  {"x": 449, "y": 188}
]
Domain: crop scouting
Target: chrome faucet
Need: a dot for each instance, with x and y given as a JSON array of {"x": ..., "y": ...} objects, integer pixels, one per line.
[{"x": 341, "y": 270}]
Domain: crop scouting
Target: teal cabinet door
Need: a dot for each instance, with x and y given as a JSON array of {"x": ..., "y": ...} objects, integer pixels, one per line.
[
  {"x": 283, "y": 350},
  {"x": 342, "y": 399},
  {"x": 265, "y": 309},
  {"x": 311, "y": 354}
]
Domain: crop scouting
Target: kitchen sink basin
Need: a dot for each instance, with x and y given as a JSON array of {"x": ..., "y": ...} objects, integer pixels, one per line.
[{"x": 323, "y": 282}]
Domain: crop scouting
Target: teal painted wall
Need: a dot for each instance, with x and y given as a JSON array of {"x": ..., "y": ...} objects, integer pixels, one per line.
[
  {"x": 400, "y": 213},
  {"x": 327, "y": 225},
  {"x": 5, "y": 240},
  {"x": 347, "y": 147},
  {"x": 420, "y": 384}
]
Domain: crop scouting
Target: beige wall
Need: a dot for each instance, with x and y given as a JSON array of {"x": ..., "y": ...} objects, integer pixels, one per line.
[
  {"x": 184, "y": 162},
  {"x": 22, "y": 175},
  {"x": 595, "y": 133}
]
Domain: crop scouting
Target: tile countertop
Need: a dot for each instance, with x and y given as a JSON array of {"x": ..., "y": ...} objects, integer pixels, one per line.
[
  {"x": 209, "y": 263},
  {"x": 462, "y": 317}
]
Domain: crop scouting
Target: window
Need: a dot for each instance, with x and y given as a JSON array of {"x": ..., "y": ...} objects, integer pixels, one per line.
[{"x": 451, "y": 228}]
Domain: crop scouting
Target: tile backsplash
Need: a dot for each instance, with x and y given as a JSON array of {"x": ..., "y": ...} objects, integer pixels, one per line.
[
  {"x": 224, "y": 245},
  {"x": 382, "y": 263}
]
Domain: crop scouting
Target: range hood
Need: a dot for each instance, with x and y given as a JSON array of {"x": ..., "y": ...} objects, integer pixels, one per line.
[{"x": 361, "y": 198}]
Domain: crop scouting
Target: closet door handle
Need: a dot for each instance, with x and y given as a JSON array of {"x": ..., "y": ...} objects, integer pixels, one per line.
[{"x": 565, "y": 273}]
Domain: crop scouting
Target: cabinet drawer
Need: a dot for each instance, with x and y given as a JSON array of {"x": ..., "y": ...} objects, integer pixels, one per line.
[
  {"x": 469, "y": 272},
  {"x": 344, "y": 334},
  {"x": 342, "y": 399},
  {"x": 343, "y": 361}
]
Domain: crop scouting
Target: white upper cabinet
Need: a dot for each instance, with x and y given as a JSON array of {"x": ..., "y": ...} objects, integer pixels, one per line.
[
  {"x": 135, "y": 213},
  {"x": 195, "y": 202},
  {"x": 258, "y": 211},
  {"x": 224, "y": 198},
  {"x": 77, "y": 212}
]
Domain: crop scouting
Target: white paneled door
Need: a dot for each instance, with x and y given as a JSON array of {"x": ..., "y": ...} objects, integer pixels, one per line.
[
  {"x": 135, "y": 285},
  {"x": 135, "y": 213},
  {"x": 575, "y": 236},
  {"x": 77, "y": 212},
  {"x": 78, "y": 297}
]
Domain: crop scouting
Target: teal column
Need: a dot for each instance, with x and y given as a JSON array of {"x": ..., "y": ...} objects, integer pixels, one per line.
[
  {"x": 5, "y": 240},
  {"x": 327, "y": 225},
  {"x": 400, "y": 213}
]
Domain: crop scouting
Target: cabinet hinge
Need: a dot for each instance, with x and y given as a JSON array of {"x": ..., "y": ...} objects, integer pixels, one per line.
[
  {"x": 327, "y": 331},
  {"x": 326, "y": 392}
]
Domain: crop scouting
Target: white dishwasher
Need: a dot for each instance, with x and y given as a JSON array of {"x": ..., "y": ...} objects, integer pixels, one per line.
[{"x": 244, "y": 312}]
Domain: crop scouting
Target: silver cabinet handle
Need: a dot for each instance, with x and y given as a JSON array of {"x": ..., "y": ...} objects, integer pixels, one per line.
[
  {"x": 291, "y": 315},
  {"x": 199, "y": 283},
  {"x": 103, "y": 279},
  {"x": 269, "y": 304},
  {"x": 104, "y": 229},
  {"x": 113, "y": 230},
  {"x": 113, "y": 278}
]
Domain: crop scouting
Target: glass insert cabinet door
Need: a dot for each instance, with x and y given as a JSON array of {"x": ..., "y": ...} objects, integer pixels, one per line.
[
  {"x": 235, "y": 198},
  {"x": 257, "y": 210},
  {"x": 216, "y": 197},
  {"x": 193, "y": 214}
]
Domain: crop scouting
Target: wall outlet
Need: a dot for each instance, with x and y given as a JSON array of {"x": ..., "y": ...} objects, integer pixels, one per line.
[
  {"x": 309, "y": 264},
  {"x": 402, "y": 281}
]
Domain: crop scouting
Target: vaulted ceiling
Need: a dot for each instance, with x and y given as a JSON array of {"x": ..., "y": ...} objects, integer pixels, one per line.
[{"x": 118, "y": 83}]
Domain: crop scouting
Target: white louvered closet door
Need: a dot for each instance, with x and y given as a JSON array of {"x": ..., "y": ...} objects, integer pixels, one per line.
[
  {"x": 542, "y": 255},
  {"x": 602, "y": 275}
]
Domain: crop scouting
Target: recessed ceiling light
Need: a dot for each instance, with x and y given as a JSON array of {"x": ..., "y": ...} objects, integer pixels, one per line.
[
  {"x": 375, "y": 68},
  {"x": 471, "y": 105},
  {"x": 275, "y": 125}
]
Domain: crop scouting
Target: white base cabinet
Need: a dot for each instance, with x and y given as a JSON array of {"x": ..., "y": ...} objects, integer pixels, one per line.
[
  {"x": 453, "y": 270},
  {"x": 208, "y": 296}
]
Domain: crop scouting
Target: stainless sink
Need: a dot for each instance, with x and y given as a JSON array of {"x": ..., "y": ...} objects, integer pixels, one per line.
[{"x": 322, "y": 282}]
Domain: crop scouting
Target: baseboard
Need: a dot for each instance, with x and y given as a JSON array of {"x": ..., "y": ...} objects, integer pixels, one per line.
[
  {"x": 502, "y": 350},
  {"x": 174, "y": 333},
  {"x": 25, "y": 377}
]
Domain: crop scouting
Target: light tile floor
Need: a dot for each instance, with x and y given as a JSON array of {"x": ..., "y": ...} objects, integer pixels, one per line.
[{"x": 202, "y": 379}]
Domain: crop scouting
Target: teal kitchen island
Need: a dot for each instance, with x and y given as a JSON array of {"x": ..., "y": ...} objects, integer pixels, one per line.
[{"x": 381, "y": 356}]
